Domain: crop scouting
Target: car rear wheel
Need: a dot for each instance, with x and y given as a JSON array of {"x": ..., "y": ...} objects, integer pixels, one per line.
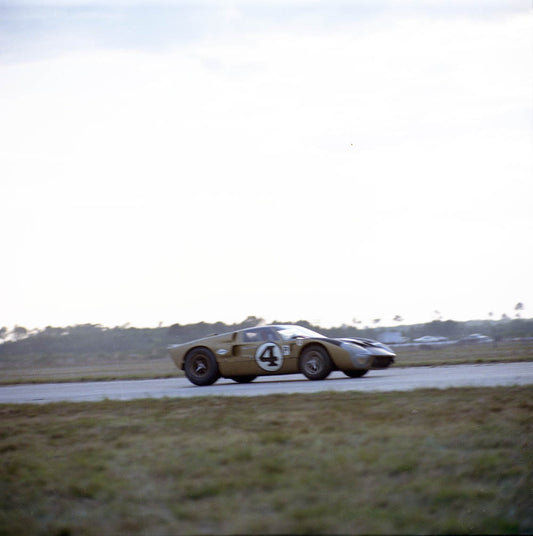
[
  {"x": 315, "y": 363},
  {"x": 355, "y": 373},
  {"x": 243, "y": 379},
  {"x": 201, "y": 367}
]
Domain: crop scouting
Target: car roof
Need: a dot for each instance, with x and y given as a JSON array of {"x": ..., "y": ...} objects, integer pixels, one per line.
[{"x": 271, "y": 326}]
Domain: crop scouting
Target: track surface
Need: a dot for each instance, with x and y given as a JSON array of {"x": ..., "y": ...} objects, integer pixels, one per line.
[{"x": 399, "y": 379}]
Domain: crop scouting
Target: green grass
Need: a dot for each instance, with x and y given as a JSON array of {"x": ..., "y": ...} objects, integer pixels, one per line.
[
  {"x": 93, "y": 367},
  {"x": 423, "y": 462},
  {"x": 45, "y": 369}
]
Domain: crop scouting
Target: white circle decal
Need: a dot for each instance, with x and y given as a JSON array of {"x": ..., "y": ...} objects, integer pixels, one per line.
[{"x": 268, "y": 356}]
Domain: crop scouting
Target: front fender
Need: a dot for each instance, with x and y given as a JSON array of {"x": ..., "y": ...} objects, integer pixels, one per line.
[{"x": 347, "y": 356}]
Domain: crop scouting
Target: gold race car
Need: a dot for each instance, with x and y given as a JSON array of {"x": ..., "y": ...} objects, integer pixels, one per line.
[{"x": 279, "y": 349}]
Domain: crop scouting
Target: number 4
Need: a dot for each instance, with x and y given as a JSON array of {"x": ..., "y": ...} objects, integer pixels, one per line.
[{"x": 268, "y": 356}]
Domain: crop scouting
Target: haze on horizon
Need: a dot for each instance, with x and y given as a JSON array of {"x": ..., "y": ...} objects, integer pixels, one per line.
[{"x": 174, "y": 162}]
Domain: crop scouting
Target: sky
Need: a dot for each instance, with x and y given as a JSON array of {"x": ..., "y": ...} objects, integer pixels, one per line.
[{"x": 334, "y": 161}]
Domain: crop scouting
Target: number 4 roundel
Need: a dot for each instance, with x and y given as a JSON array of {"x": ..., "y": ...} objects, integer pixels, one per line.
[{"x": 269, "y": 357}]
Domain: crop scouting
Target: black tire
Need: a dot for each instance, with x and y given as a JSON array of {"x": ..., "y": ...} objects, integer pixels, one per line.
[
  {"x": 243, "y": 379},
  {"x": 201, "y": 367},
  {"x": 355, "y": 373},
  {"x": 315, "y": 363}
]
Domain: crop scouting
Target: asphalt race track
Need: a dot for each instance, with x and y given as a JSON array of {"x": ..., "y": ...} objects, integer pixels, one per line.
[{"x": 393, "y": 379}]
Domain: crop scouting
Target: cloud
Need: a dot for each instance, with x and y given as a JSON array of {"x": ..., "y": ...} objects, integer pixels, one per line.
[{"x": 31, "y": 29}]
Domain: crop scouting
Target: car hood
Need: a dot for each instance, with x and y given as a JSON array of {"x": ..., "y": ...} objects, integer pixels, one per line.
[{"x": 370, "y": 345}]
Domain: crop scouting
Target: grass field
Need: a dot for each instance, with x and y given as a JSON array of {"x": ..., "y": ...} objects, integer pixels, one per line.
[
  {"x": 455, "y": 354},
  {"x": 38, "y": 369},
  {"x": 423, "y": 462}
]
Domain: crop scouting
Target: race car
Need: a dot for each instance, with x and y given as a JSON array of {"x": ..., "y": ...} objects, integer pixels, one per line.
[{"x": 277, "y": 349}]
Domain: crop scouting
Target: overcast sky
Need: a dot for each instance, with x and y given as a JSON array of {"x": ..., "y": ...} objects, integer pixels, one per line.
[{"x": 182, "y": 161}]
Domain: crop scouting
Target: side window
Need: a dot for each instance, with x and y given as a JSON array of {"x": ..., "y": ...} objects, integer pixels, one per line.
[
  {"x": 270, "y": 335},
  {"x": 260, "y": 335},
  {"x": 251, "y": 336}
]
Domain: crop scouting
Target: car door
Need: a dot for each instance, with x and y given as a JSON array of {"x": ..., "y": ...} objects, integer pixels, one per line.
[{"x": 254, "y": 352}]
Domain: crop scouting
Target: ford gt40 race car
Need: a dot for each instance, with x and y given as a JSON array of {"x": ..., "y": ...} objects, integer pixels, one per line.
[{"x": 283, "y": 349}]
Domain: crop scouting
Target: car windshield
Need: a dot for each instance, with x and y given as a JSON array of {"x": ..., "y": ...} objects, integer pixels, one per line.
[{"x": 293, "y": 332}]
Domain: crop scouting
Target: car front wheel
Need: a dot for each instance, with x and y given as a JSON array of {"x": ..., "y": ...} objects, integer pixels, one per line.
[
  {"x": 315, "y": 363},
  {"x": 201, "y": 367}
]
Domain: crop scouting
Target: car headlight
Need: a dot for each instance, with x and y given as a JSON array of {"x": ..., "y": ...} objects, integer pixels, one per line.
[
  {"x": 360, "y": 356},
  {"x": 384, "y": 347}
]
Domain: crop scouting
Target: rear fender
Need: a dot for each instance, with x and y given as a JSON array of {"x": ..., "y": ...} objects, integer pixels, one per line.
[{"x": 200, "y": 347}]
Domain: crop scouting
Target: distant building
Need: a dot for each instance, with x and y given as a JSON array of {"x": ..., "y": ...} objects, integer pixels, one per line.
[
  {"x": 430, "y": 338},
  {"x": 391, "y": 337}
]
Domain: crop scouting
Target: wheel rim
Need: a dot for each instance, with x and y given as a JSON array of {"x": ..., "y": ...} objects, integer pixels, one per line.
[
  {"x": 313, "y": 362},
  {"x": 199, "y": 366}
]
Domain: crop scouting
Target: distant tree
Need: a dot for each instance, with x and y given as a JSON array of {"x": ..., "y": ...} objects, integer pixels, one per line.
[
  {"x": 252, "y": 321},
  {"x": 504, "y": 317},
  {"x": 518, "y": 307},
  {"x": 3, "y": 332},
  {"x": 54, "y": 332},
  {"x": 376, "y": 321},
  {"x": 175, "y": 330},
  {"x": 397, "y": 319},
  {"x": 19, "y": 332}
]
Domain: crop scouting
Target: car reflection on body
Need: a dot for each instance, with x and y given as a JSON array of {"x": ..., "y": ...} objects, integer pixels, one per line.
[{"x": 277, "y": 349}]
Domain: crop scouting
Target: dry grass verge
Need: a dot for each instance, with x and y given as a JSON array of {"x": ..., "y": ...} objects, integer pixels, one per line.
[
  {"x": 454, "y": 461},
  {"x": 455, "y": 354},
  {"x": 37, "y": 369}
]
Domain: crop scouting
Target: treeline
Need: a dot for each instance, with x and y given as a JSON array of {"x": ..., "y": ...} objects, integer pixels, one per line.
[{"x": 89, "y": 339}]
